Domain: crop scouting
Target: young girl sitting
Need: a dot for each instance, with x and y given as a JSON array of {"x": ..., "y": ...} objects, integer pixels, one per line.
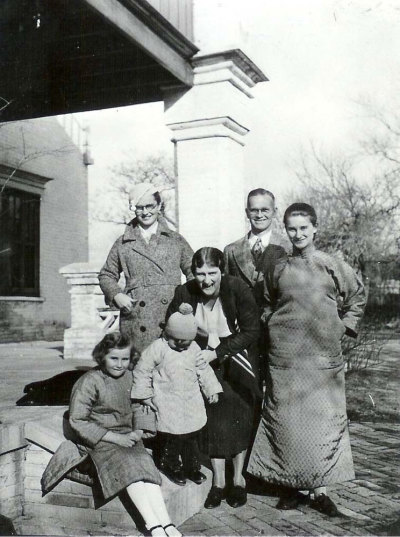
[
  {"x": 166, "y": 379},
  {"x": 101, "y": 414}
]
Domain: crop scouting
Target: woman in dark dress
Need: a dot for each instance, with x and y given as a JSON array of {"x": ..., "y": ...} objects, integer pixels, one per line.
[{"x": 228, "y": 320}]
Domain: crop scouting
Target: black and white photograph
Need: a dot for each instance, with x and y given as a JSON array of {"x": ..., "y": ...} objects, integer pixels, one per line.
[{"x": 200, "y": 268}]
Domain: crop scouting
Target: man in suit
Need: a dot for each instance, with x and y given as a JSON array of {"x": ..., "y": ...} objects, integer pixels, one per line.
[{"x": 247, "y": 256}]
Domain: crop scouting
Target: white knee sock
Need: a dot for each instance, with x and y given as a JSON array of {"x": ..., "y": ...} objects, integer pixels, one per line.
[{"x": 138, "y": 494}]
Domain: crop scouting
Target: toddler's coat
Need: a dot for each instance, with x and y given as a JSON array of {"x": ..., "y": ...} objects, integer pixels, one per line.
[{"x": 173, "y": 381}]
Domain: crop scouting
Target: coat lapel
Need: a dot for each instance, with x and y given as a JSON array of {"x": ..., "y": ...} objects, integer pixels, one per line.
[{"x": 152, "y": 251}]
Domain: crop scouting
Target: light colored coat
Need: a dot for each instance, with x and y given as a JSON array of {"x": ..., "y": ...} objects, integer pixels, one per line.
[
  {"x": 152, "y": 272},
  {"x": 173, "y": 381}
]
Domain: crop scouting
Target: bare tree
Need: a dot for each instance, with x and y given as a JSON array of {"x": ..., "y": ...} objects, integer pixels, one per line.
[
  {"x": 359, "y": 218},
  {"x": 18, "y": 153},
  {"x": 112, "y": 203}
]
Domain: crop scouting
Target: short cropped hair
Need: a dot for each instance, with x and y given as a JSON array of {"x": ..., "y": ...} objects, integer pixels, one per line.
[
  {"x": 114, "y": 340},
  {"x": 259, "y": 192},
  {"x": 208, "y": 256},
  {"x": 300, "y": 209}
]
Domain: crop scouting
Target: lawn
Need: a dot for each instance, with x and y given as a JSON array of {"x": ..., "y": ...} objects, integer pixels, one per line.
[{"x": 373, "y": 393}]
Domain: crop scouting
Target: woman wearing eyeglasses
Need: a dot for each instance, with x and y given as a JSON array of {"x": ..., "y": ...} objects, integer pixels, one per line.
[{"x": 152, "y": 257}]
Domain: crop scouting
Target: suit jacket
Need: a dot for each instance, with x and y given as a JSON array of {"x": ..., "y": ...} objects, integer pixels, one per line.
[{"x": 239, "y": 261}]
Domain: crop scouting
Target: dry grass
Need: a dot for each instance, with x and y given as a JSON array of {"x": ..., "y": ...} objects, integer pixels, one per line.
[{"x": 373, "y": 392}]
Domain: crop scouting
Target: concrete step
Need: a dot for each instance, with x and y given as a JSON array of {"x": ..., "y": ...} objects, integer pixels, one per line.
[{"x": 79, "y": 509}]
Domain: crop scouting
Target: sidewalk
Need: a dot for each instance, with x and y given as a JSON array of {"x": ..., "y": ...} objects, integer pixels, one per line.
[{"x": 370, "y": 505}]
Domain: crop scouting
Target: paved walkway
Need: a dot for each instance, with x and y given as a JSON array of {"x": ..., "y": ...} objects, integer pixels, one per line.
[{"x": 370, "y": 505}]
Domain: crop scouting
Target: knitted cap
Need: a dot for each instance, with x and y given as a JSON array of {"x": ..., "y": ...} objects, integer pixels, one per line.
[
  {"x": 137, "y": 192},
  {"x": 182, "y": 324}
]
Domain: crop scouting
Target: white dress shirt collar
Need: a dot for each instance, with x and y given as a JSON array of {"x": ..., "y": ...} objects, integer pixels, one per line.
[{"x": 265, "y": 237}]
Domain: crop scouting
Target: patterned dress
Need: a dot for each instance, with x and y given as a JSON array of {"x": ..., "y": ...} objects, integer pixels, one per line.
[
  {"x": 303, "y": 440},
  {"x": 100, "y": 403}
]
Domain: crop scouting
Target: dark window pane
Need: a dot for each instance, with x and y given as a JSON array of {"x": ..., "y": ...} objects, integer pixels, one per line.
[{"x": 19, "y": 243}]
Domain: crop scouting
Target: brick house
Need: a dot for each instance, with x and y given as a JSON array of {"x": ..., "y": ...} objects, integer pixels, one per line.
[{"x": 43, "y": 226}]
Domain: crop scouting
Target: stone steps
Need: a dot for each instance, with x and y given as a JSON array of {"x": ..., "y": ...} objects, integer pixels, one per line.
[{"x": 75, "y": 509}]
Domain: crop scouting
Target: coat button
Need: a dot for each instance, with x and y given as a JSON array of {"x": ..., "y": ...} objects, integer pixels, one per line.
[
  {"x": 143, "y": 329},
  {"x": 164, "y": 301},
  {"x": 142, "y": 303}
]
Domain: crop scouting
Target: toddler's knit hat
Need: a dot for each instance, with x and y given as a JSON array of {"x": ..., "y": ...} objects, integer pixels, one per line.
[{"x": 182, "y": 324}]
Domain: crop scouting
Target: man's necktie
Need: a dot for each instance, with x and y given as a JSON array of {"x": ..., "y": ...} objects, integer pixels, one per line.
[{"x": 257, "y": 250}]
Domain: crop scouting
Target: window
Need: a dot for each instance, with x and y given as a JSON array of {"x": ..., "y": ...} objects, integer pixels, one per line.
[{"x": 19, "y": 243}]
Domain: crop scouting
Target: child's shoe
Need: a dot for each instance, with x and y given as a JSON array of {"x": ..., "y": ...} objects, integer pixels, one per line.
[
  {"x": 196, "y": 476},
  {"x": 176, "y": 476}
]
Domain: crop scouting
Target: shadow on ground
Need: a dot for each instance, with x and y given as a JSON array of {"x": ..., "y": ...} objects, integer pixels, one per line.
[{"x": 54, "y": 391}]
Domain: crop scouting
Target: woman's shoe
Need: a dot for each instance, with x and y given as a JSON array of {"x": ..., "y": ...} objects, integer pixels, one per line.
[
  {"x": 237, "y": 496},
  {"x": 325, "y": 505},
  {"x": 196, "y": 476},
  {"x": 288, "y": 502},
  {"x": 214, "y": 498}
]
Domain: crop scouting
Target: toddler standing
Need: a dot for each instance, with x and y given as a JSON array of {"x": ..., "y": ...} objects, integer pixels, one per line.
[{"x": 167, "y": 380}]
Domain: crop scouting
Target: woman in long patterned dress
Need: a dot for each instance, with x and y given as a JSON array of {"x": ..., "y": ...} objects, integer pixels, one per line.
[{"x": 312, "y": 300}]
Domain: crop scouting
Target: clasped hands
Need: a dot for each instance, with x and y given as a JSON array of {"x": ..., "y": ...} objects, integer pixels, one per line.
[{"x": 123, "y": 439}]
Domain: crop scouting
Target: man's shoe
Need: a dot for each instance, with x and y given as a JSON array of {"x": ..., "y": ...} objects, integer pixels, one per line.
[
  {"x": 176, "y": 476},
  {"x": 214, "y": 498},
  {"x": 325, "y": 505},
  {"x": 237, "y": 496},
  {"x": 196, "y": 476},
  {"x": 288, "y": 502}
]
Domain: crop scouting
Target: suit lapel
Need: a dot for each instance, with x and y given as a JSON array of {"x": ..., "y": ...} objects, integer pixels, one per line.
[{"x": 244, "y": 260}]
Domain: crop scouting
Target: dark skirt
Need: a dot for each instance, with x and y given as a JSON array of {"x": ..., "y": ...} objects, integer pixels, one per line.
[
  {"x": 230, "y": 422},
  {"x": 117, "y": 466}
]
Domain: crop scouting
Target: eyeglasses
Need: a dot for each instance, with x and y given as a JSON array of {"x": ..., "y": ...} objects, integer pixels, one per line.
[
  {"x": 144, "y": 208},
  {"x": 256, "y": 212}
]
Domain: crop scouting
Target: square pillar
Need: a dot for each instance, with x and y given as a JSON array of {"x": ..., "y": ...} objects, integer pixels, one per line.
[{"x": 209, "y": 123}]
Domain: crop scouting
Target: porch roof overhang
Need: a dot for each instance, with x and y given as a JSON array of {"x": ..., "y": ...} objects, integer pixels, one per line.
[{"x": 65, "y": 56}]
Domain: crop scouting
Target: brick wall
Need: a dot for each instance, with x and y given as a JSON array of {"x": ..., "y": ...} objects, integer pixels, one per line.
[
  {"x": 63, "y": 225},
  {"x": 12, "y": 483}
]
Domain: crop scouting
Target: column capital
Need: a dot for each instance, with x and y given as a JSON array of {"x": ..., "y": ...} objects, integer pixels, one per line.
[
  {"x": 216, "y": 127},
  {"x": 232, "y": 66},
  {"x": 218, "y": 105}
]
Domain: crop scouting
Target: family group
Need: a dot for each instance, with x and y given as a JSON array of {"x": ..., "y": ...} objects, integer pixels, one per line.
[{"x": 241, "y": 365}]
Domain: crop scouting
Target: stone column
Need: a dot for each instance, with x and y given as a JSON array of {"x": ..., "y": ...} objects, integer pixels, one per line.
[
  {"x": 209, "y": 123},
  {"x": 87, "y": 303}
]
